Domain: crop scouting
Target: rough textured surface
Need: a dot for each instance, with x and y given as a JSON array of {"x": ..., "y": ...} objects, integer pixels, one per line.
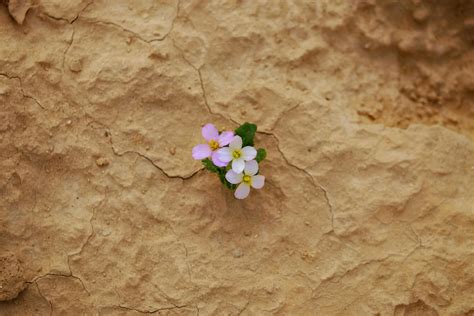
[
  {"x": 366, "y": 109},
  {"x": 12, "y": 281}
]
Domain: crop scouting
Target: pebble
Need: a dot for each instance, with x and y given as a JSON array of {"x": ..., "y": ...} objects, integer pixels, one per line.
[
  {"x": 75, "y": 65},
  {"x": 102, "y": 162},
  {"x": 237, "y": 253},
  {"x": 421, "y": 14}
]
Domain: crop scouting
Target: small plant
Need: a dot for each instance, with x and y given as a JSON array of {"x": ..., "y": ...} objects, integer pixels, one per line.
[{"x": 233, "y": 157}]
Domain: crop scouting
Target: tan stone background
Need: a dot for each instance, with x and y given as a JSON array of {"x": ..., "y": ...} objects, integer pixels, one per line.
[{"x": 366, "y": 109}]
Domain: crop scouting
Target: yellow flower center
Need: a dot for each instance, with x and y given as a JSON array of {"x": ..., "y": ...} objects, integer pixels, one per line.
[
  {"x": 213, "y": 144},
  {"x": 246, "y": 179},
  {"x": 236, "y": 154}
]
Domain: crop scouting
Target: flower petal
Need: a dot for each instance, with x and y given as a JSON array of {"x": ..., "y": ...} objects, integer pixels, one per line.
[
  {"x": 236, "y": 142},
  {"x": 249, "y": 153},
  {"x": 225, "y": 138},
  {"x": 238, "y": 165},
  {"x": 258, "y": 182},
  {"x": 210, "y": 132},
  {"x": 251, "y": 167},
  {"x": 242, "y": 191},
  {"x": 201, "y": 151},
  {"x": 217, "y": 161},
  {"x": 234, "y": 178},
  {"x": 224, "y": 154}
]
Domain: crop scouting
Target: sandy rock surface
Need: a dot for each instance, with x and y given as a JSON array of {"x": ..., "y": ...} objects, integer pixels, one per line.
[
  {"x": 12, "y": 281},
  {"x": 366, "y": 109}
]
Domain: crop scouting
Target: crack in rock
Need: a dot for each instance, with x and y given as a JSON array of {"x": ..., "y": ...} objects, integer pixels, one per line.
[
  {"x": 139, "y": 154},
  {"x": 155, "y": 165},
  {"x": 133, "y": 33},
  {"x": 94, "y": 213},
  {"x": 66, "y": 20},
  {"x": 282, "y": 114},
  {"x": 22, "y": 90},
  {"x": 241, "y": 310},
  {"x": 70, "y": 275},
  {"x": 121, "y": 154},
  {"x": 68, "y": 47},
  {"x": 82, "y": 11},
  {"x": 41, "y": 294},
  {"x": 311, "y": 178},
  {"x": 174, "y": 20},
  {"x": 152, "y": 311},
  {"x": 203, "y": 90}
]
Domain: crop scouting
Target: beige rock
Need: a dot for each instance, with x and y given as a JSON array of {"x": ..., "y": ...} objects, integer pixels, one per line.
[
  {"x": 365, "y": 109},
  {"x": 12, "y": 281},
  {"x": 19, "y": 8}
]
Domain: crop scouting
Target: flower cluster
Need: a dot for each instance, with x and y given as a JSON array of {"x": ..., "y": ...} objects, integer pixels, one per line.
[{"x": 232, "y": 157}]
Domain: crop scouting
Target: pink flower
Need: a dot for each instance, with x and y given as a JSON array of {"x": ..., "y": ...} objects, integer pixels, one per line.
[{"x": 214, "y": 142}]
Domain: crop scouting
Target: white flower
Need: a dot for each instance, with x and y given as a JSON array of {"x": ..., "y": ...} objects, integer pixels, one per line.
[
  {"x": 246, "y": 179},
  {"x": 237, "y": 154}
]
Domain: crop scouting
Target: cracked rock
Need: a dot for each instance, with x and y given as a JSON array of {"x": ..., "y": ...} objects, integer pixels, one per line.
[{"x": 366, "y": 111}]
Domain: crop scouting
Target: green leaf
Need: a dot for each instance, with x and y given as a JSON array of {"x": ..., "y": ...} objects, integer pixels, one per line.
[
  {"x": 247, "y": 132},
  {"x": 261, "y": 154},
  {"x": 209, "y": 165},
  {"x": 222, "y": 178}
]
